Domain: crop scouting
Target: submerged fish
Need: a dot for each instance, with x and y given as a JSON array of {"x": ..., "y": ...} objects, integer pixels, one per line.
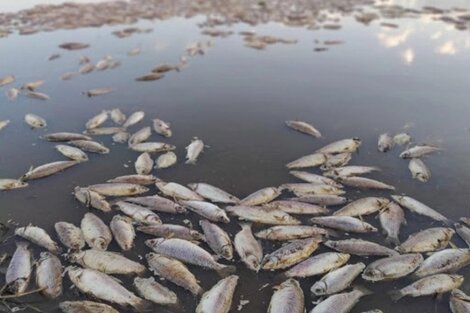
[
  {"x": 297, "y": 207},
  {"x": 65, "y": 136},
  {"x": 134, "y": 179},
  {"x": 97, "y": 120},
  {"x": 140, "y": 136},
  {"x": 385, "y": 142},
  {"x": 7, "y": 80},
  {"x": 117, "y": 116},
  {"x": 134, "y": 118},
  {"x": 351, "y": 170},
  {"x": 291, "y": 232},
  {"x": 98, "y": 91},
  {"x": 323, "y": 200}
]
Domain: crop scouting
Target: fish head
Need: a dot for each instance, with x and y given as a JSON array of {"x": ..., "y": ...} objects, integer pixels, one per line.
[
  {"x": 153, "y": 219},
  {"x": 357, "y": 141},
  {"x": 227, "y": 252},
  {"x": 319, "y": 288},
  {"x": 373, "y": 273},
  {"x": 405, "y": 155},
  {"x": 253, "y": 262},
  {"x": 100, "y": 243},
  {"x": 195, "y": 235},
  {"x": 222, "y": 217},
  {"x": 74, "y": 273},
  {"x": 153, "y": 242},
  {"x": 75, "y": 257},
  {"x": 457, "y": 279}
]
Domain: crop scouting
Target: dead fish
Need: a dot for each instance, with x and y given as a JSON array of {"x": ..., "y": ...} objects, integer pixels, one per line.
[
  {"x": 98, "y": 91},
  {"x": 7, "y": 80},
  {"x": 213, "y": 193},
  {"x": 32, "y": 86},
  {"x": 74, "y": 45},
  {"x": 47, "y": 169},
  {"x": 140, "y": 136},
  {"x": 150, "y": 290},
  {"x": 290, "y": 254},
  {"x": 465, "y": 220},
  {"x": 428, "y": 240},
  {"x": 149, "y": 77},
  {"x": 97, "y": 120},
  {"x": 10, "y": 184},
  {"x": 171, "y": 231},
  {"x": 121, "y": 137},
  {"x": 288, "y": 297},
  {"x": 117, "y": 116},
  {"x": 134, "y": 118},
  {"x": 152, "y": 147},
  {"x": 188, "y": 252},
  {"x": 39, "y": 237},
  {"x": 315, "y": 179},
  {"x": 401, "y": 139},
  {"x": 144, "y": 164},
  {"x": 248, "y": 248},
  {"x": 419, "y": 208},
  {"x": 162, "y": 127},
  {"x": 459, "y": 302},
  {"x": 341, "y": 302},
  {"x": 296, "y": 207},
  {"x": 12, "y": 94},
  {"x": 134, "y": 51},
  {"x": 219, "y": 298},
  {"x": 53, "y": 56},
  {"x": 166, "y": 160},
  {"x": 323, "y": 200},
  {"x": 207, "y": 210},
  {"x": 337, "y": 280},
  {"x": 85, "y": 307},
  {"x": 262, "y": 215},
  {"x": 464, "y": 232},
  {"x": 391, "y": 218},
  {"x": 344, "y": 223},
  {"x": 363, "y": 182},
  {"x": 363, "y": 206},
  {"x": 445, "y": 261},
  {"x": 65, "y": 136},
  {"x": 123, "y": 231},
  {"x": 134, "y": 179},
  {"x": 217, "y": 239},
  {"x": 359, "y": 247},
  {"x": 304, "y": 127},
  {"x": 139, "y": 213},
  {"x": 174, "y": 271},
  {"x": 418, "y": 151},
  {"x": 99, "y": 131},
  {"x": 83, "y": 60},
  {"x": 157, "y": 203},
  {"x": 19, "y": 270},
  {"x": 301, "y": 189},
  {"x": 311, "y": 160},
  {"x": 70, "y": 235},
  {"x": 336, "y": 160},
  {"x": 385, "y": 142},
  {"x": 90, "y": 146},
  {"x": 37, "y": 95},
  {"x": 104, "y": 63},
  {"x": 72, "y": 153},
  {"x": 291, "y": 232},
  {"x": 392, "y": 267},
  {"x": 261, "y": 196},
  {"x": 92, "y": 199},
  {"x": 68, "y": 75},
  {"x": 318, "y": 265},
  {"x": 177, "y": 191},
  {"x": 341, "y": 146},
  {"x": 419, "y": 170},
  {"x": 435, "y": 284},
  {"x": 49, "y": 275},
  {"x": 162, "y": 68},
  {"x": 193, "y": 150},
  {"x": 97, "y": 235},
  {"x": 104, "y": 287},
  {"x": 106, "y": 262},
  {"x": 351, "y": 170}
]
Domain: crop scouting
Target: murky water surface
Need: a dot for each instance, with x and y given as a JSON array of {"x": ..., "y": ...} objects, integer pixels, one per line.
[{"x": 412, "y": 78}]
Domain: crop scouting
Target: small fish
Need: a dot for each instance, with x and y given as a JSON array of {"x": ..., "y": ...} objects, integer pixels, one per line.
[
  {"x": 149, "y": 77},
  {"x": 385, "y": 142},
  {"x": 157, "y": 203},
  {"x": 134, "y": 118},
  {"x": 144, "y": 164},
  {"x": 444, "y": 261},
  {"x": 54, "y": 56},
  {"x": 418, "y": 151},
  {"x": 7, "y": 80},
  {"x": 139, "y": 213},
  {"x": 311, "y": 160},
  {"x": 217, "y": 239},
  {"x": 134, "y": 51},
  {"x": 177, "y": 191},
  {"x": 401, "y": 139},
  {"x": 99, "y": 131},
  {"x": 104, "y": 63},
  {"x": 12, "y": 94},
  {"x": 301, "y": 189},
  {"x": 341, "y": 302},
  {"x": 262, "y": 215},
  {"x": 97, "y": 235},
  {"x": 72, "y": 153},
  {"x": 166, "y": 160},
  {"x": 32, "y": 86},
  {"x": 248, "y": 248},
  {"x": 393, "y": 267},
  {"x": 150, "y": 290},
  {"x": 19, "y": 270},
  {"x": 134, "y": 179},
  {"x": 341, "y": 146},
  {"x": 171, "y": 231},
  {"x": 68, "y": 75},
  {"x": 117, "y": 116},
  {"x": 70, "y": 235},
  {"x": 337, "y": 280},
  {"x": 288, "y": 297},
  {"x": 431, "y": 285},
  {"x": 315, "y": 179},
  {"x": 363, "y": 206},
  {"x": 323, "y": 200},
  {"x": 97, "y": 120},
  {"x": 37, "y": 95},
  {"x": 261, "y": 196},
  {"x": 162, "y": 128},
  {"x": 459, "y": 302},
  {"x": 98, "y": 91},
  {"x": 106, "y": 262},
  {"x": 39, "y": 237},
  {"x": 304, "y": 127},
  {"x": 464, "y": 232},
  {"x": 359, "y": 247},
  {"x": 193, "y": 150},
  {"x": 152, "y": 147},
  {"x": 213, "y": 193},
  {"x": 219, "y": 298},
  {"x": 49, "y": 275},
  {"x": 351, "y": 170},
  {"x": 291, "y": 232},
  {"x": 121, "y": 137},
  {"x": 90, "y": 146},
  {"x": 318, "y": 265},
  {"x": 47, "y": 169},
  {"x": 419, "y": 170},
  {"x": 296, "y": 207},
  {"x": 421, "y": 209},
  {"x": 85, "y": 307},
  {"x": 363, "y": 182},
  {"x": 92, "y": 199},
  {"x": 290, "y": 254},
  {"x": 10, "y": 184},
  {"x": 344, "y": 223},
  {"x": 65, "y": 136},
  {"x": 74, "y": 45},
  {"x": 123, "y": 231},
  {"x": 140, "y": 136},
  {"x": 428, "y": 240},
  {"x": 162, "y": 68},
  {"x": 391, "y": 218},
  {"x": 207, "y": 210}
]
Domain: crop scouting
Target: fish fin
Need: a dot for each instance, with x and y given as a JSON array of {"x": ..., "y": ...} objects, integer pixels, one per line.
[
  {"x": 141, "y": 305},
  {"x": 396, "y": 295},
  {"x": 392, "y": 241},
  {"x": 226, "y": 270}
]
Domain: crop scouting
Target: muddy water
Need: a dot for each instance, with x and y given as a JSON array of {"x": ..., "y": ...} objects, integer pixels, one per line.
[{"x": 413, "y": 78}]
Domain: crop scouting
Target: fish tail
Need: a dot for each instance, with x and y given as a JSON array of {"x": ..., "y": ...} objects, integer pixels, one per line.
[
  {"x": 226, "y": 270},
  {"x": 396, "y": 295},
  {"x": 141, "y": 305},
  {"x": 392, "y": 241},
  {"x": 363, "y": 290}
]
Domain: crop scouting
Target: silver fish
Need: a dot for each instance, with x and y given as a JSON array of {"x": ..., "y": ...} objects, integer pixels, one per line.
[
  {"x": 157, "y": 203},
  {"x": 98, "y": 91},
  {"x": 428, "y": 240},
  {"x": 35, "y": 121},
  {"x": 288, "y": 297},
  {"x": 178, "y": 191},
  {"x": 123, "y": 231},
  {"x": 219, "y": 298},
  {"x": 37, "y": 95},
  {"x": 33, "y": 85},
  {"x": 49, "y": 275},
  {"x": 315, "y": 179},
  {"x": 86, "y": 68},
  {"x": 217, "y": 239},
  {"x": 337, "y": 280},
  {"x": 39, "y": 237},
  {"x": 301, "y": 189},
  {"x": 118, "y": 189},
  {"x": 97, "y": 120},
  {"x": 261, "y": 196},
  {"x": 47, "y": 169},
  {"x": 162, "y": 128},
  {"x": 207, "y": 210},
  {"x": 10, "y": 184},
  {"x": 323, "y": 200},
  {"x": 359, "y": 247},
  {"x": 459, "y": 302},
  {"x": 318, "y": 265},
  {"x": 144, "y": 164},
  {"x": 336, "y": 160},
  {"x": 134, "y": 118},
  {"x": 435, "y": 284},
  {"x": 262, "y": 215},
  {"x": 140, "y": 136},
  {"x": 341, "y": 146},
  {"x": 70, "y": 235},
  {"x": 391, "y": 218},
  {"x": 213, "y": 193},
  {"x": 419, "y": 170},
  {"x": 150, "y": 290},
  {"x": 401, "y": 139},
  {"x": 166, "y": 160},
  {"x": 344, "y": 223},
  {"x": 311, "y": 160},
  {"x": 464, "y": 232},
  {"x": 106, "y": 262},
  {"x": 100, "y": 131},
  {"x": 152, "y": 147},
  {"x": 418, "y": 151},
  {"x": 385, "y": 142},
  {"x": 97, "y": 235},
  {"x": 65, "y": 136},
  {"x": 139, "y": 213},
  {"x": 121, "y": 137},
  {"x": 291, "y": 232},
  {"x": 248, "y": 248},
  {"x": 421, "y": 209},
  {"x": 85, "y": 307},
  {"x": 117, "y": 116},
  {"x": 68, "y": 75},
  {"x": 193, "y": 150},
  {"x": 304, "y": 127},
  {"x": 392, "y": 268},
  {"x": 90, "y": 146},
  {"x": 134, "y": 179},
  {"x": 351, "y": 170},
  {"x": 7, "y": 80},
  {"x": 363, "y": 206},
  {"x": 149, "y": 77},
  {"x": 72, "y": 153},
  {"x": 4, "y": 124},
  {"x": 363, "y": 182},
  {"x": 92, "y": 199},
  {"x": 19, "y": 270},
  {"x": 290, "y": 254},
  {"x": 171, "y": 231},
  {"x": 445, "y": 261},
  {"x": 296, "y": 207},
  {"x": 341, "y": 302}
]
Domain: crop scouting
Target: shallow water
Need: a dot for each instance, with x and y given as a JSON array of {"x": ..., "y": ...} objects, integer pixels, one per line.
[{"x": 413, "y": 78}]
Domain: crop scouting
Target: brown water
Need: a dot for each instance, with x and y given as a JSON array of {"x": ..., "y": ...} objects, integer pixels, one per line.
[{"x": 413, "y": 78}]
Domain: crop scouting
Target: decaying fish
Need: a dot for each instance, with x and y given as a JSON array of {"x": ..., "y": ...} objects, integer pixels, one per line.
[
  {"x": 139, "y": 213},
  {"x": 385, "y": 142},
  {"x": 65, "y": 136},
  {"x": 363, "y": 182},
  {"x": 121, "y": 137},
  {"x": 85, "y": 307},
  {"x": 431, "y": 285},
  {"x": 262, "y": 215},
  {"x": 12, "y": 93},
  {"x": 248, "y": 248},
  {"x": 143, "y": 164},
  {"x": 421, "y": 209},
  {"x": 149, "y": 77},
  {"x": 311, "y": 160},
  {"x": 344, "y": 223},
  {"x": 342, "y": 302},
  {"x": 351, "y": 170},
  {"x": 315, "y": 178},
  {"x": 391, "y": 218},
  {"x": 464, "y": 232},
  {"x": 323, "y": 200},
  {"x": 104, "y": 287},
  {"x": 90, "y": 146},
  {"x": 290, "y": 254},
  {"x": 140, "y": 136},
  {"x": 11, "y": 183},
  {"x": 37, "y": 95},
  {"x": 49, "y": 275},
  {"x": 304, "y": 127},
  {"x": 291, "y": 232},
  {"x": 341, "y": 146},
  {"x": 70, "y": 235},
  {"x": 392, "y": 268},
  {"x": 35, "y": 121},
  {"x": 7, "y": 80},
  {"x": 428, "y": 240},
  {"x": 106, "y": 262},
  {"x": 134, "y": 118},
  {"x": 73, "y": 45},
  {"x": 178, "y": 191},
  {"x": 166, "y": 160},
  {"x": 117, "y": 116},
  {"x": 318, "y": 265},
  {"x": 162, "y": 127},
  {"x": 401, "y": 139},
  {"x": 261, "y": 196},
  {"x": 97, "y": 120},
  {"x": 336, "y": 160},
  {"x": 171, "y": 231},
  {"x": 150, "y": 290},
  {"x": 300, "y": 189},
  {"x": 297, "y": 207},
  {"x": 123, "y": 231},
  {"x": 72, "y": 153},
  {"x": 134, "y": 179},
  {"x": 419, "y": 170},
  {"x": 152, "y": 147},
  {"x": 337, "y": 280},
  {"x": 193, "y": 150},
  {"x": 219, "y": 298},
  {"x": 97, "y": 235},
  {"x": 163, "y": 68},
  {"x": 39, "y": 237},
  {"x": 92, "y": 199},
  {"x": 19, "y": 270},
  {"x": 68, "y": 75},
  {"x": 118, "y": 189},
  {"x": 363, "y": 206},
  {"x": 465, "y": 220},
  {"x": 213, "y": 193},
  {"x": 33, "y": 85},
  {"x": 174, "y": 271},
  {"x": 418, "y": 151},
  {"x": 217, "y": 239},
  {"x": 359, "y": 247},
  {"x": 207, "y": 210},
  {"x": 459, "y": 302},
  {"x": 98, "y": 91},
  {"x": 157, "y": 203},
  {"x": 100, "y": 131},
  {"x": 445, "y": 261},
  {"x": 288, "y": 297},
  {"x": 47, "y": 169}
]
